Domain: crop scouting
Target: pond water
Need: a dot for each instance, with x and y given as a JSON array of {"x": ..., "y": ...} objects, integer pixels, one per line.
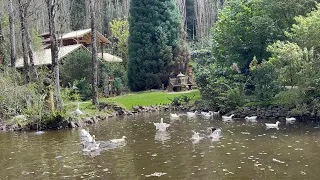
[{"x": 245, "y": 151}]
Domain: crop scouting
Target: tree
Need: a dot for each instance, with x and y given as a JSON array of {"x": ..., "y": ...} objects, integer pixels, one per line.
[
  {"x": 26, "y": 39},
  {"x": 305, "y": 32},
  {"x": 120, "y": 32},
  {"x": 154, "y": 36},
  {"x": 77, "y": 13},
  {"x": 51, "y": 6},
  {"x": 94, "y": 55},
  {"x": 12, "y": 35},
  {"x": 1, "y": 41},
  {"x": 245, "y": 28},
  {"x": 287, "y": 57}
]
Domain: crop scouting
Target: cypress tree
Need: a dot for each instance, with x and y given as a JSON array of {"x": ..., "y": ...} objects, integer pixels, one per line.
[{"x": 154, "y": 38}]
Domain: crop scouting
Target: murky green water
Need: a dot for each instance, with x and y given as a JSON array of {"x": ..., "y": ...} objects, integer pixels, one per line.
[{"x": 246, "y": 151}]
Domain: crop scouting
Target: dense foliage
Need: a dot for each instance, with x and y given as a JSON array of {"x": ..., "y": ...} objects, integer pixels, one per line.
[
  {"x": 263, "y": 50},
  {"x": 153, "y": 42}
]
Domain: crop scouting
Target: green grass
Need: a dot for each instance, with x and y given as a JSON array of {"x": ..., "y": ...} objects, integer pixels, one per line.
[
  {"x": 133, "y": 99},
  {"x": 147, "y": 98}
]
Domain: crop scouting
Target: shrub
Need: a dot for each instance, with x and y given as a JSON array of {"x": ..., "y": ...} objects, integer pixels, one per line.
[{"x": 264, "y": 78}]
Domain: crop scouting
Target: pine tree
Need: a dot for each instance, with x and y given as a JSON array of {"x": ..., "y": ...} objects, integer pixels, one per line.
[{"x": 153, "y": 42}]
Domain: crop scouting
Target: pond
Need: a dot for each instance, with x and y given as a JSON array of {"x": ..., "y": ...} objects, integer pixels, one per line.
[{"x": 245, "y": 151}]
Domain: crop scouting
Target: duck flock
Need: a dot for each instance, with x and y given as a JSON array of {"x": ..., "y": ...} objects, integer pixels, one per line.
[{"x": 89, "y": 143}]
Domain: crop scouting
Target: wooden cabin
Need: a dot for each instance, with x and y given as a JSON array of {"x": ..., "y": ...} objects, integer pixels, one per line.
[{"x": 69, "y": 43}]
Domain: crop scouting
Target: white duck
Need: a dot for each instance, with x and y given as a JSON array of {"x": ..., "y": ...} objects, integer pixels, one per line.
[
  {"x": 208, "y": 115},
  {"x": 215, "y": 133},
  {"x": 271, "y": 125},
  {"x": 251, "y": 118},
  {"x": 191, "y": 114},
  {"x": 161, "y": 126},
  {"x": 217, "y": 113},
  {"x": 91, "y": 146},
  {"x": 174, "y": 115},
  {"x": 77, "y": 111},
  {"x": 86, "y": 136},
  {"x": 196, "y": 136},
  {"x": 291, "y": 119},
  {"x": 122, "y": 140},
  {"x": 227, "y": 118}
]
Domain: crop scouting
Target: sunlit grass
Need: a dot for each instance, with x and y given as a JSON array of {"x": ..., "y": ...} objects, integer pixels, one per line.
[{"x": 148, "y": 98}]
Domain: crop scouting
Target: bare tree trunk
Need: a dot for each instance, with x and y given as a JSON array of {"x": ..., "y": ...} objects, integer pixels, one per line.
[
  {"x": 12, "y": 36},
  {"x": 51, "y": 5},
  {"x": 1, "y": 42},
  {"x": 23, "y": 40},
  {"x": 94, "y": 55},
  {"x": 30, "y": 53}
]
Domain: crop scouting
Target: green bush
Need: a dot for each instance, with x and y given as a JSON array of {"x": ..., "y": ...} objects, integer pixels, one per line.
[
  {"x": 84, "y": 87},
  {"x": 70, "y": 94},
  {"x": 291, "y": 98},
  {"x": 264, "y": 78}
]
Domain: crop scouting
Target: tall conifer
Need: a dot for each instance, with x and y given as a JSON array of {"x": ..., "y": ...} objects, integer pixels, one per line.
[{"x": 153, "y": 42}]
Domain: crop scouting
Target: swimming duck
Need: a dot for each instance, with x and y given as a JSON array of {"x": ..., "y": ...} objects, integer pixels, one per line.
[
  {"x": 86, "y": 136},
  {"x": 271, "y": 125},
  {"x": 214, "y": 133},
  {"x": 91, "y": 146},
  {"x": 251, "y": 118},
  {"x": 122, "y": 140},
  {"x": 217, "y": 113},
  {"x": 161, "y": 126},
  {"x": 227, "y": 118},
  {"x": 290, "y": 119},
  {"x": 191, "y": 114},
  {"x": 174, "y": 115}
]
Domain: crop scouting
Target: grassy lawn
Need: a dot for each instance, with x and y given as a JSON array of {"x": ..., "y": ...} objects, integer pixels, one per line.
[{"x": 148, "y": 98}]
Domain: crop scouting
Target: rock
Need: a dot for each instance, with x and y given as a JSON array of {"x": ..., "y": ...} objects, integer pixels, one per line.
[
  {"x": 72, "y": 124},
  {"x": 78, "y": 123},
  {"x": 87, "y": 120},
  {"x": 94, "y": 119},
  {"x": 136, "y": 108}
]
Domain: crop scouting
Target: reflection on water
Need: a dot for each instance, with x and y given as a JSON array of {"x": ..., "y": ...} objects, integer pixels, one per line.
[
  {"x": 162, "y": 136},
  {"x": 245, "y": 151}
]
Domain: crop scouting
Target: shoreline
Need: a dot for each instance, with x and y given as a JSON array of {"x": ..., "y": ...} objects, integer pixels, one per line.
[{"x": 265, "y": 113}]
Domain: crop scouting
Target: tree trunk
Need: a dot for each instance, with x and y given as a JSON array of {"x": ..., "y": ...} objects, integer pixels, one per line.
[
  {"x": 1, "y": 42},
  {"x": 51, "y": 5},
  {"x": 94, "y": 56},
  {"x": 23, "y": 40},
  {"x": 30, "y": 53},
  {"x": 12, "y": 36}
]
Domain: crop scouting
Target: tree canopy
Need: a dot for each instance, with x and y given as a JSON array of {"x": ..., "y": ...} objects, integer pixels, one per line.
[{"x": 154, "y": 37}]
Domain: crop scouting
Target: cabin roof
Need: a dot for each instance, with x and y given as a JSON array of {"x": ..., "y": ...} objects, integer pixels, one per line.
[
  {"x": 83, "y": 34},
  {"x": 43, "y": 57}
]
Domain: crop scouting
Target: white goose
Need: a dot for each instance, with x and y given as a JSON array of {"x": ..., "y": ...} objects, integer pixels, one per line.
[
  {"x": 251, "y": 118},
  {"x": 291, "y": 119},
  {"x": 271, "y": 125},
  {"x": 77, "y": 111},
  {"x": 161, "y": 126},
  {"x": 174, "y": 115},
  {"x": 227, "y": 118},
  {"x": 122, "y": 140}
]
